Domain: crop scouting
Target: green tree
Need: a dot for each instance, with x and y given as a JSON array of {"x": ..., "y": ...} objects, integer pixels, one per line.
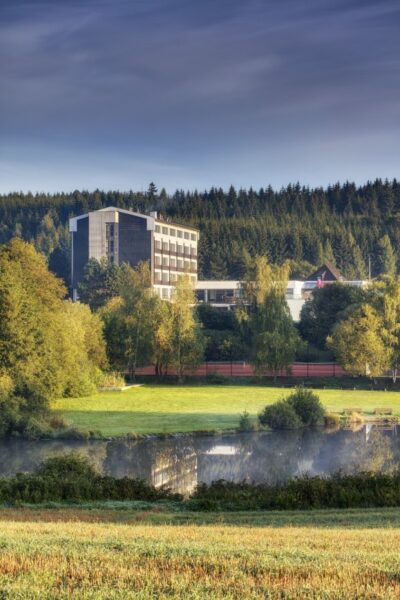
[
  {"x": 130, "y": 320},
  {"x": 384, "y": 297},
  {"x": 358, "y": 345},
  {"x": 48, "y": 347},
  {"x": 326, "y": 307},
  {"x": 100, "y": 283},
  {"x": 267, "y": 325},
  {"x": 386, "y": 258},
  {"x": 181, "y": 330}
]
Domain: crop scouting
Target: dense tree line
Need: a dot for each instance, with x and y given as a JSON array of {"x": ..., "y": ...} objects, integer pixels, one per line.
[
  {"x": 49, "y": 346},
  {"x": 345, "y": 224}
]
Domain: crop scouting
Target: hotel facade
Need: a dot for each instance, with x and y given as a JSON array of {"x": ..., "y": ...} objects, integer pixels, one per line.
[{"x": 123, "y": 236}]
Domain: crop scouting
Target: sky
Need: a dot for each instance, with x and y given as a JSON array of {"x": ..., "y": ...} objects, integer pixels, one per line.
[{"x": 113, "y": 94}]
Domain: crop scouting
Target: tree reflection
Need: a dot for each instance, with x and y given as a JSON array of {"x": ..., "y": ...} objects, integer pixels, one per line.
[{"x": 181, "y": 462}]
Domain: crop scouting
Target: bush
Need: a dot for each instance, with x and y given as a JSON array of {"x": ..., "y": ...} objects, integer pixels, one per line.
[
  {"x": 332, "y": 420},
  {"x": 71, "y": 478},
  {"x": 111, "y": 380},
  {"x": 308, "y": 407},
  {"x": 361, "y": 490},
  {"x": 215, "y": 378},
  {"x": 302, "y": 408},
  {"x": 280, "y": 415},
  {"x": 245, "y": 422}
]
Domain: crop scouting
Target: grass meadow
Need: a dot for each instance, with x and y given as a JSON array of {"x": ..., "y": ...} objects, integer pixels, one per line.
[
  {"x": 165, "y": 409},
  {"x": 120, "y": 554}
]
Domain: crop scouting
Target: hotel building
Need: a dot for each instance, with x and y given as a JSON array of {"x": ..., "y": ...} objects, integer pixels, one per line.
[{"x": 123, "y": 236}]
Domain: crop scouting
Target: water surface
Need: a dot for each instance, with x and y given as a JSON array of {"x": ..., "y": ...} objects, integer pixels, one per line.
[{"x": 182, "y": 462}]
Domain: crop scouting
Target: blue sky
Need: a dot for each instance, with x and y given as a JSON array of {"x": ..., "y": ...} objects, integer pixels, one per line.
[{"x": 190, "y": 94}]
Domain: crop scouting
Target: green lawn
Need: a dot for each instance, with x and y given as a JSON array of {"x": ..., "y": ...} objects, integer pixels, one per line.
[
  {"x": 159, "y": 409},
  {"x": 71, "y": 553}
]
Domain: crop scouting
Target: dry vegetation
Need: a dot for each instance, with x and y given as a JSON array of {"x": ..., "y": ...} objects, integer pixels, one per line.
[{"x": 123, "y": 554}]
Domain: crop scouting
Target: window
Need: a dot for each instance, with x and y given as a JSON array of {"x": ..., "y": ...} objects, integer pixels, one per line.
[
  {"x": 179, "y": 233},
  {"x": 164, "y": 292},
  {"x": 193, "y": 265},
  {"x": 165, "y": 246},
  {"x": 180, "y": 263},
  {"x": 157, "y": 277},
  {"x": 158, "y": 261},
  {"x": 172, "y": 248},
  {"x": 187, "y": 265},
  {"x": 187, "y": 251},
  {"x": 172, "y": 262},
  {"x": 180, "y": 249},
  {"x": 165, "y": 261},
  {"x": 172, "y": 232},
  {"x": 193, "y": 237},
  {"x": 165, "y": 230},
  {"x": 112, "y": 242},
  {"x": 158, "y": 229},
  {"x": 186, "y": 235},
  {"x": 158, "y": 245},
  {"x": 165, "y": 278},
  {"x": 173, "y": 277}
]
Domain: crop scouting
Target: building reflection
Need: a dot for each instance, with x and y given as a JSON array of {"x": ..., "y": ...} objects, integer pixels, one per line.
[{"x": 181, "y": 463}]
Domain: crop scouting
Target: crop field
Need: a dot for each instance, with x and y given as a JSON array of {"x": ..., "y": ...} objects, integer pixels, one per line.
[
  {"x": 164, "y": 409},
  {"x": 122, "y": 554}
]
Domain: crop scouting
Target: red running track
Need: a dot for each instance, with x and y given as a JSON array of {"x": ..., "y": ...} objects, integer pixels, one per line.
[{"x": 243, "y": 369}]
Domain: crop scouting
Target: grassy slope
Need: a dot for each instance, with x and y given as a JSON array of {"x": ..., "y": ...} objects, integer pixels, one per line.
[
  {"x": 99, "y": 554},
  {"x": 157, "y": 409}
]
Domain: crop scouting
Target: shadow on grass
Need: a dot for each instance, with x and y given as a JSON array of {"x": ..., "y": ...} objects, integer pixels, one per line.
[
  {"x": 120, "y": 422},
  {"x": 159, "y": 514}
]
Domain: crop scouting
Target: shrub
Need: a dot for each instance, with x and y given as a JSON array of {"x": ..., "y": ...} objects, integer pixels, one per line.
[
  {"x": 280, "y": 415},
  {"x": 111, "y": 380},
  {"x": 71, "y": 478},
  {"x": 354, "y": 417},
  {"x": 56, "y": 422},
  {"x": 302, "y": 408},
  {"x": 308, "y": 407},
  {"x": 332, "y": 420},
  {"x": 360, "y": 490},
  {"x": 215, "y": 378},
  {"x": 245, "y": 422}
]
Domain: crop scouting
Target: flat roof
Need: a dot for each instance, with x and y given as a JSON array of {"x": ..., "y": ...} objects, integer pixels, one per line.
[
  {"x": 221, "y": 284},
  {"x": 135, "y": 214},
  {"x": 174, "y": 224}
]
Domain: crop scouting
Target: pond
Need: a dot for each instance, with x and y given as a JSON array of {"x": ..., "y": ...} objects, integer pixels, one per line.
[{"x": 182, "y": 462}]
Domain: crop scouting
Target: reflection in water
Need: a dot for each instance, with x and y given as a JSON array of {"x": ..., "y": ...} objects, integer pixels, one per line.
[{"x": 180, "y": 463}]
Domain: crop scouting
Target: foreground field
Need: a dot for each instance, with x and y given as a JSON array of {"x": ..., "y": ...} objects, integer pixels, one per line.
[
  {"x": 162, "y": 409},
  {"x": 115, "y": 554}
]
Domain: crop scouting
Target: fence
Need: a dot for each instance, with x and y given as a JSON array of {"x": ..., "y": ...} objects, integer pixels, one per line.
[{"x": 244, "y": 369}]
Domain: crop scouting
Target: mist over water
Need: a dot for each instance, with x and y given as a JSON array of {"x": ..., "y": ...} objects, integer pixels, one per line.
[{"x": 181, "y": 463}]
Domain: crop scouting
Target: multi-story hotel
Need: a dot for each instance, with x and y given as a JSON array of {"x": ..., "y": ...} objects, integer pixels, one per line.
[{"x": 125, "y": 236}]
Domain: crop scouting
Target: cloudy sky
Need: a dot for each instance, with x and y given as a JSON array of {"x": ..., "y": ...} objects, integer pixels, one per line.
[{"x": 189, "y": 93}]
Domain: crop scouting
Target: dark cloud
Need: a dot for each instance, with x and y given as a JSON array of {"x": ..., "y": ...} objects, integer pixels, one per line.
[{"x": 197, "y": 93}]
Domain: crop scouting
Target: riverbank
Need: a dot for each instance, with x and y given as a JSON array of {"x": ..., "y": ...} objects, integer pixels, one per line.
[
  {"x": 120, "y": 554},
  {"x": 166, "y": 409}
]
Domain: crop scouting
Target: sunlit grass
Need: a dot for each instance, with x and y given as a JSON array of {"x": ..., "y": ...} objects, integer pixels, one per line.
[
  {"x": 125, "y": 554},
  {"x": 158, "y": 409}
]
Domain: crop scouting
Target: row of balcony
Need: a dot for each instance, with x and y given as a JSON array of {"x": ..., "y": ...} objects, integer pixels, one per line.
[
  {"x": 174, "y": 270},
  {"x": 175, "y": 267},
  {"x": 185, "y": 252},
  {"x": 158, "y": 281}
]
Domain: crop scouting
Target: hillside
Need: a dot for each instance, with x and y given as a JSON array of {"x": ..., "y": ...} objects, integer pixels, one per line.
[{"x": 345, "y": 224}]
